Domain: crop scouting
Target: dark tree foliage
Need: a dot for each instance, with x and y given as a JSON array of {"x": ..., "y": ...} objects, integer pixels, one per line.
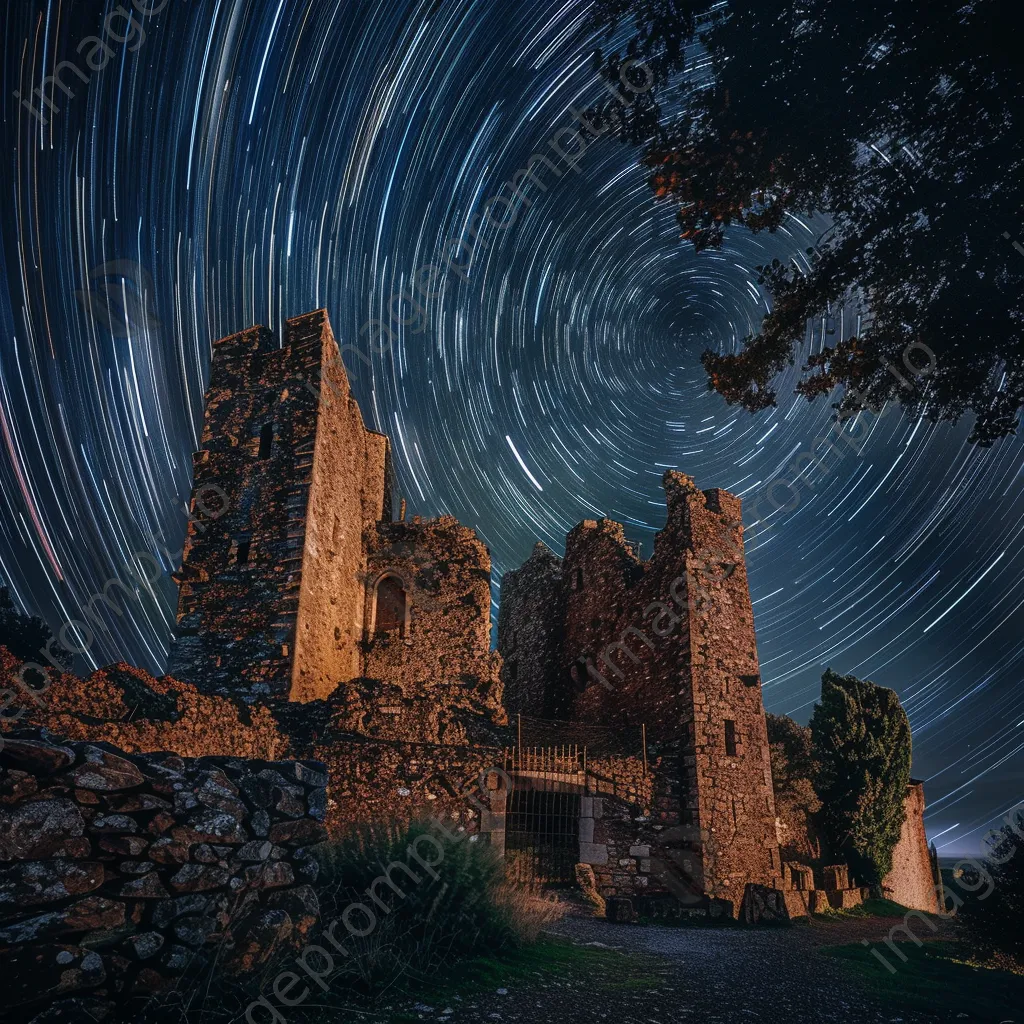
[
  {"x": 993, "y": 908},
  {"x": 26, "y": 636},
  {"x": 861, "y": 743},
  {"x": 793, "y": 762},
  {"x": 794, "y": 769},
  {"x": 900, "y": 120}
]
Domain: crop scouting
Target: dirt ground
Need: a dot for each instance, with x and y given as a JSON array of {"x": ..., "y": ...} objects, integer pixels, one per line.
[{"x": 664, "y": 975}]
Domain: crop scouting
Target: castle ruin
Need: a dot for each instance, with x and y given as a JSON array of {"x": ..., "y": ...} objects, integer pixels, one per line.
[{"x": 618, "y": 739}]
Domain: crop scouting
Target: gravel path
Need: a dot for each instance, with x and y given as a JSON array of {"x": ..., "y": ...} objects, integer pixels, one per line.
[{"x": 695, "y": 974}]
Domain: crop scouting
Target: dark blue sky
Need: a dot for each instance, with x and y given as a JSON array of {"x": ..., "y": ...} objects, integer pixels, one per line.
[{"x": 249, "y": 161}]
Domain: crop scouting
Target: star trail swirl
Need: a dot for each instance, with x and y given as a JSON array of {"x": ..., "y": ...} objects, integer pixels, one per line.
[{"x": 256, "y": 159}]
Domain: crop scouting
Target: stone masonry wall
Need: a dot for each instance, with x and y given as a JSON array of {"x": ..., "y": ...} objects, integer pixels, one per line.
[
  {"x": 636, "y": 844},
  {"x": 443, "y": 653},
  {"x": 390, "y": 774},
  {"x": 349, "y": 492},
  {"x": 633, "y": 815},
  {"x": 121, "y": 872},
  {"x": 911, "y": 880},
  {"x": 236, "y": 620},
  {"x": 287, "y": 619},
  {"x": 669, "y": 643},
  {"x": 531, "y": 625}
]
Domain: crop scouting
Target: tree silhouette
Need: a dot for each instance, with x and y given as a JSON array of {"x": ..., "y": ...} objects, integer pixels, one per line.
[
  {"x": 991, "y": 909},
  {"x": 901, "y": 121},
  {"x": 26, "y": 636}
]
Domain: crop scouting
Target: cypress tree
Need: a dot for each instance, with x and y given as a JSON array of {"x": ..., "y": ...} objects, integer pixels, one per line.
[{"x": 861, "y": 739}]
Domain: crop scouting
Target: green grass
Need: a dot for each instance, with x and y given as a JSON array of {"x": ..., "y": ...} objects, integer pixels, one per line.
[
  {"x": 873, "y": 907},
  {"x": 934, "y": 979}
]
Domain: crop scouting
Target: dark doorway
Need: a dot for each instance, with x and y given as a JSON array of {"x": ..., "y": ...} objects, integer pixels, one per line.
[{"x": 390, "y": 608}]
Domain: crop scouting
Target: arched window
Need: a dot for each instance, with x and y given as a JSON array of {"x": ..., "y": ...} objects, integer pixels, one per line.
[{"x": 389, "y": 608}]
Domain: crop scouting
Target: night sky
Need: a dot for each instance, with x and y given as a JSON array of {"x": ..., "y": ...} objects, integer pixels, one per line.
[{"x": 251, "y": 160}]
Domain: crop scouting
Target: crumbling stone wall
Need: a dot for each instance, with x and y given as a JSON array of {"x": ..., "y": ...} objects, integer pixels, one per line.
[
  {"x": 630, "y": 827},
  {"x": 121, "y": 873},
  {"x": 667, "y": 642},
  {"x": 442, "y": 654},
  {"x": 912, "y": 880},
  {"x": 531, "y": 624},
  {"x": 379, "y": 769},
  {"x": 635, "y": 841}
]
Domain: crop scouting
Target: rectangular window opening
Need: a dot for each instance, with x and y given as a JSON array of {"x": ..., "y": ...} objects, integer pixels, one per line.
[
  {"x": 266, "y": 440},
  {"x": 730, "y": 737},
  {"x": 242, "y": 551}
]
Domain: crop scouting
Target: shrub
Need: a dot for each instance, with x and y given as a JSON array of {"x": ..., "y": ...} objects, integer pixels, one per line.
[
  {"x": 990, "y": 917},
  {"x": 424, "y": 918}
]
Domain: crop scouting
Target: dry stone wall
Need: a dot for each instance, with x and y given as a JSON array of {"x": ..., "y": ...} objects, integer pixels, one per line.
[
  {"x": 382, "y": 776},
  {"x": 122, "y": 873}
]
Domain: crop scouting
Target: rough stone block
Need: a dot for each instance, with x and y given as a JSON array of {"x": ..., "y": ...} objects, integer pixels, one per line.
[
  {"x": 32, "y": 883},
  {"x": 763, "y": 905},
  {"x": 41, "y": 828},
  {"x": 34, "y": 757},
  {"x": 845, "y": 899},
  {"x": 105, "y": 771}
]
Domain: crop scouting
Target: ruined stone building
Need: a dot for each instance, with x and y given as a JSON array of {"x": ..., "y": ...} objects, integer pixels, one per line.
[
  {"x": 602, "y": 636},
  {"x": 305, "y": 581},
  {"x": 618, "y": 740}
]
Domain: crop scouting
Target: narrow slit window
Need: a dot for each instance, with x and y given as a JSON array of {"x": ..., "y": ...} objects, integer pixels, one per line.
[
  {"x": 578, "y": 674},
  {"x": 266, "y": 440},
  {"x": 730, "y": 737},
  {"x": 242, "y": 551},
  {"x": 579, "y": 579}
]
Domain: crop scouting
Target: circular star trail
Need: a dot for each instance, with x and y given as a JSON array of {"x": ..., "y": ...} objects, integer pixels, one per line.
[{"x": 226, "y": 163}]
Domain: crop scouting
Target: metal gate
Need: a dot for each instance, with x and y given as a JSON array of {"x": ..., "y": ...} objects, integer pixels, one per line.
[{"x": 542, "y": 815}]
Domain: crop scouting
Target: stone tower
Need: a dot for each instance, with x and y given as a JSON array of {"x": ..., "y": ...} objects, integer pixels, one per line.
[
  {"x": 304, "y": 581},
  {"x": 272, "y": 591},
  {"x": 602, "y": 636}
]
